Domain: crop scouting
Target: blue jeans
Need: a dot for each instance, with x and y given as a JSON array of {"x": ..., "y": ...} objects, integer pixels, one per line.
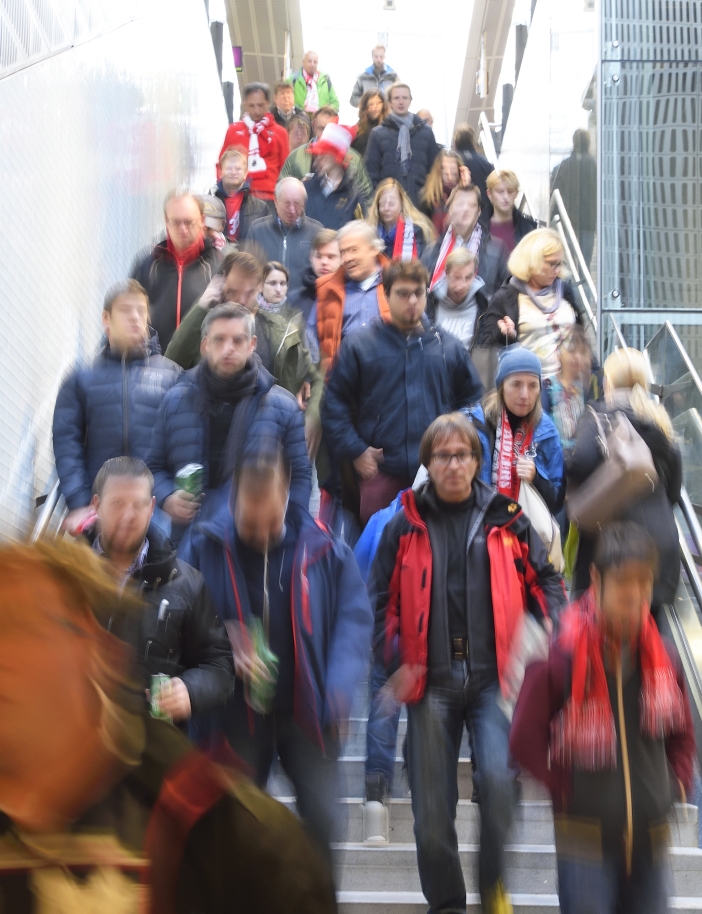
[
  {"x": 434, "y": 730},
  {"x": 603, "y": 887},
  {"x": 381, "y": 733}
]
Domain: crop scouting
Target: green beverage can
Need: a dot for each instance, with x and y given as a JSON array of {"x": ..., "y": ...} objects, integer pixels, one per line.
[
  {"x": 261, "y": 690},
  {"x": 191, "y": 479},
  {"x": 160, "y": 685}
]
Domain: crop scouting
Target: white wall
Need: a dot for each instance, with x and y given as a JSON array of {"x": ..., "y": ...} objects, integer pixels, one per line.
[{"x": 91, "y": 140}]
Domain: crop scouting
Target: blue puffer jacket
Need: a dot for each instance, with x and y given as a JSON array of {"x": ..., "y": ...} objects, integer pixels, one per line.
[
  {"x": 550, "y": 470},
  {"x": 385, "y": 388},
  {"x": 331, "y": 615},
  {"x": 107, "y": 410},
  {"x": 181, "y": 435}
]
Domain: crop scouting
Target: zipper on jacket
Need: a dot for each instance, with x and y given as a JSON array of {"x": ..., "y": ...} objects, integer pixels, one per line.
[
  {"x": 179, "y": 267},
  {"x": 285, "y": 249},
  {"x": 629, "y": 836},
  {"x": 125, "y": 404}
]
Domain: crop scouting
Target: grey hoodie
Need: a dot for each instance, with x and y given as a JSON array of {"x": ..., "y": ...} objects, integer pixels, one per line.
[{"x": 458, "y": 320}]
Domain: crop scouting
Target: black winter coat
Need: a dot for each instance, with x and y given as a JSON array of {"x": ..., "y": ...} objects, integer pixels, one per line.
[
  {"x": 107, "y": 410},
  {"x": 654, "y": 512},
  {"x": 334, "y": 210},
  {"x": 492, "y": 262},
  {"x": 159, "y": 275},
  {"x": 385, "y": 388},
  {"x": 523, "y": 224},
  {"x": 306, "y": 295},
  {"x": 289, "y": 246},
  {"x": 383, "y": 161},
  {"x": 179, "y": 632},
  {"x": 505, "y": 303},
  {"x": 181, "y": 434},
  {"x": 251, "y": 209}
]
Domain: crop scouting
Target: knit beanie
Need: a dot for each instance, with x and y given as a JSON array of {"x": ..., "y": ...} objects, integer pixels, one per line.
[{"x": 514, "y": 360}]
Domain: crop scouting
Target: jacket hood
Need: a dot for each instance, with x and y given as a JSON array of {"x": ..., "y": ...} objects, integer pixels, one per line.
[
  {"x": 264, "y": 381},
  {"x": 160, "y": 559},
  {"x": 220, "y": 192},
  {"x": 545, "y": 429},
  {"x": 370, "y": 70},
  {"x": 499, "y": 510},
  {"x": 161, "y": 252},
  {"x": 442, "y": 298}
]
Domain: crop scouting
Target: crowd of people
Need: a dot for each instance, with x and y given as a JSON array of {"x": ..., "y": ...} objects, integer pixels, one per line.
[{"x": 329, "y": 437}]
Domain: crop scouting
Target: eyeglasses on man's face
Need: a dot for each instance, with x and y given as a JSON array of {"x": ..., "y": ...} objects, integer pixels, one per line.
[{"x": 444, "y": 458}]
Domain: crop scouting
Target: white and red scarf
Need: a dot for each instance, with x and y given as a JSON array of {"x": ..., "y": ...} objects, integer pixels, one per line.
[
  {"x": 583, "y": 734},
  {"x": 509, "y": 448},
  {"x": 312, "y": 99},
  {"x": 256, "y": 160},
  {"x": 448, "y": 244},
  {"x": 405, "y": 246}
]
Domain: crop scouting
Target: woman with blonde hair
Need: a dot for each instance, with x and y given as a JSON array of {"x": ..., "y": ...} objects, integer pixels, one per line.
[
  {"x": 447, "y": 172},
  {"x": 399, "y": 224},
  {"x": 626, "y": 391},
  {"x": 536, "y": 306}
]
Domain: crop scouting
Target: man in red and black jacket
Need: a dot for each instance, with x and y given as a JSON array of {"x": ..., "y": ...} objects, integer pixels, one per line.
[
  {"x": 605, "y": 724},
  {"x": 455, "y": 571}
]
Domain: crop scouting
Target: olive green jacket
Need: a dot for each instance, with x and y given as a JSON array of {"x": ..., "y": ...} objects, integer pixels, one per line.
[
  {"x": 292, "y": 363},
  {"x": 299, "y": 163}
]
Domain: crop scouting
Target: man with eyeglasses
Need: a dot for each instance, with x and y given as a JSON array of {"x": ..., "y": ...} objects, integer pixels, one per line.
[
  {"x": 456, "y": 570},
  {"x": 390, "y": 379},
  {"x": 178, "y": 269}
]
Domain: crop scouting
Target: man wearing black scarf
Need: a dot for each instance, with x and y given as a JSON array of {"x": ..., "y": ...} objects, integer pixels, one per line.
[{"x": 227, "y": 407}]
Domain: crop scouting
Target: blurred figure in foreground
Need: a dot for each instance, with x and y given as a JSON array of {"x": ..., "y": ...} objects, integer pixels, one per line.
[
  {"x": 104, "y": 807},
  {"x": 300, "y": 627},
  {"x": 605, "y": 724},
  {"x": 456, "y": 571}
]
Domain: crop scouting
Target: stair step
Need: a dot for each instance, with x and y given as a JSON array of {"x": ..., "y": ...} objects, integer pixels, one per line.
[
  {"x": 353, "y": 781},
  {"x": 414, "y": 903},
  {"x": 533, "y": 822},
  {"x": 529, "y": 868}
]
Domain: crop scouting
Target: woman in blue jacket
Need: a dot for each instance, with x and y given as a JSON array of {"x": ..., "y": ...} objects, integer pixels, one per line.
[{"x": 518, "y": 440}]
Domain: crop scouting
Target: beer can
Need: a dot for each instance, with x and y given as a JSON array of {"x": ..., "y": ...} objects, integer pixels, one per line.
[
  {"x": 191, "y": 479},
  {"x": 160, "y": 685},
  {"x": 261, "y": 691}
]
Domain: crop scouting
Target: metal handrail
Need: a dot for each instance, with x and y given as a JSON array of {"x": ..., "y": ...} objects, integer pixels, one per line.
[
  {"x": 557, "y": 201},
  {"x": 690, "y": 515},
  {"x": 573, "y": 270},
  {"x": 46, "y": 513},
  {"x": 618, "y": 332},
  {"x": 486, "y": 140}
]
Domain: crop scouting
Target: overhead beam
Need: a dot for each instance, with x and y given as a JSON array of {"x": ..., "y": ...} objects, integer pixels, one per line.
[
  {"x": 492, "y": 17},
  {"x": 260, "y": 26}
]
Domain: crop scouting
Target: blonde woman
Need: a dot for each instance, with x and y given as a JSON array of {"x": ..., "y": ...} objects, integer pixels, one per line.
[
  {"x": 447, "y": 172},
  {"x": 536, "y": 307},
  {"x": 626, "y": 390},
  {"x": 399, "y": 224}
]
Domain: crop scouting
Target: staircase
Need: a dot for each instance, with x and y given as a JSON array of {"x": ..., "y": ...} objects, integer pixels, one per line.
[{"x": 384, "y": 879}]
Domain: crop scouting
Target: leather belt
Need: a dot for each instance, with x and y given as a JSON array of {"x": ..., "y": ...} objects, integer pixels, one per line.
[{"x": 459, "y": 648}]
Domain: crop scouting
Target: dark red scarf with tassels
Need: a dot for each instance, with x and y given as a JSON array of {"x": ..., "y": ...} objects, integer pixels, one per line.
[{"x": 583, "y": 734}]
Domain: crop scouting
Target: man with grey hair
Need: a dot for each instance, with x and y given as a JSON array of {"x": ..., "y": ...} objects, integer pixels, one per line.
[
  {"x": 378, "y": 76},
  {"x": 287, "y": 235},
  {"x": 350, "y": 298},
  {"x": 178, "y": 269},
  {"x": 224, "y": 409},
  {"x": 266, "y": 141}
]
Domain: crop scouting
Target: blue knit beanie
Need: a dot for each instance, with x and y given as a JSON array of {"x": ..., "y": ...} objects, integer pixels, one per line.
[{"x": 516, "y": 359}]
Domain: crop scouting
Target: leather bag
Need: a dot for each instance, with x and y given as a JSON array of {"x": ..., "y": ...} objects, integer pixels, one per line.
[{"x": 625, "y": 476}]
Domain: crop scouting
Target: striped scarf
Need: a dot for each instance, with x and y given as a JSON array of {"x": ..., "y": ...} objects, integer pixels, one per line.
[{"x": 448, "y": 244}]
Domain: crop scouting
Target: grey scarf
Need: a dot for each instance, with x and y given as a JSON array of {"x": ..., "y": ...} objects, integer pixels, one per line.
[
  {"x": 404, "y": 148},
  {"x": 557, "y": 288}
]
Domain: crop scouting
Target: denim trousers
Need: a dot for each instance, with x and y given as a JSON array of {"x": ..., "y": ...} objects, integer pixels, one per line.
[
  {"x": 434, "y": 730},
  {"x": 313, "y": 770},
  {"x": 604, "y": 888},
  {"x": 381, "y": 733}
]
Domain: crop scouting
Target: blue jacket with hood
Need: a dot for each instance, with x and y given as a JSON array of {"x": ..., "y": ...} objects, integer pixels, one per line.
[{"x": 331, "y": 615}]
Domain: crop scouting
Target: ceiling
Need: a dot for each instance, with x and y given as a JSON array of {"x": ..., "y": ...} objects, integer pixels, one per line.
[
  {"x": 259, "y": 26},
  {"x": 493, "y": 17}
]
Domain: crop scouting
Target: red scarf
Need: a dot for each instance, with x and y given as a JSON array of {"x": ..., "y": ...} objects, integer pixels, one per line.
[
  {"x": 405, "y": 246},
  {"x": 233, "y": 207},
  {"x": 509, "y": 448},
  {"x": 583, "y": 735}
]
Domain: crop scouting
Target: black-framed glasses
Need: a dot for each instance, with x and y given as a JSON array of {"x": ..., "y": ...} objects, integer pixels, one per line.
[{"x": 443, "y": 458}]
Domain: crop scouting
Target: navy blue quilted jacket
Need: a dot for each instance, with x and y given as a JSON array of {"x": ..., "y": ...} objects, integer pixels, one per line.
[
  {"x": 181, "y": 435},
  {"x": 107, "y": 410}
]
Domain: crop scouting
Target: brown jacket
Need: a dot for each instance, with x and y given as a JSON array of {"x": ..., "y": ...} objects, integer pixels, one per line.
[{"x": 331, "y": 298}]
